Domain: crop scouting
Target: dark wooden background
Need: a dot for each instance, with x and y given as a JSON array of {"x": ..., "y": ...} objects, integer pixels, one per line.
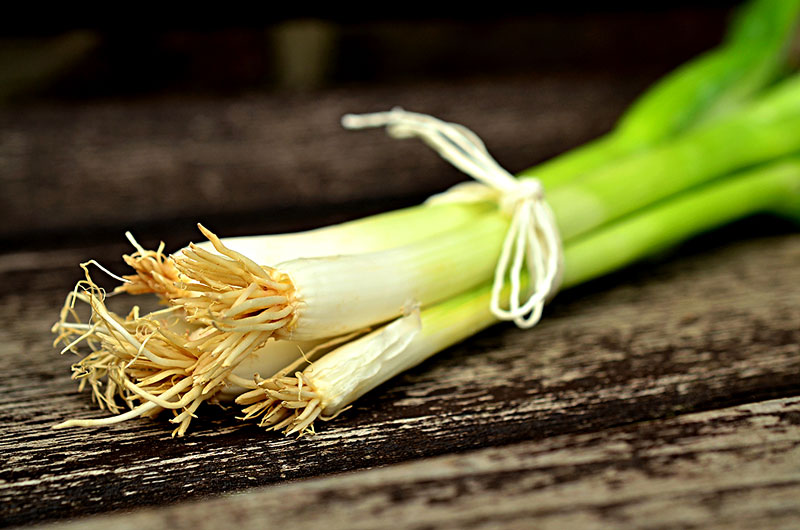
[{"x": 663, "y": 396}]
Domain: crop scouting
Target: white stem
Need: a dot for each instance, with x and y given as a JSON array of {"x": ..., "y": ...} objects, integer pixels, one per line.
[
  {"x": 337, "y": 295},
  {"x": 347, "y": 373},
  {"x": 372, "y": 234}
]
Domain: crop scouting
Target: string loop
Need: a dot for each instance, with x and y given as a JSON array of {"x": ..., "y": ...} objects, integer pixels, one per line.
[{"x": 532, "y": 240}]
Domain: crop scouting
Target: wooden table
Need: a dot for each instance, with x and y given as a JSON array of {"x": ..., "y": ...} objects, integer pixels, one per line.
[{"x": 667, "y": 395}]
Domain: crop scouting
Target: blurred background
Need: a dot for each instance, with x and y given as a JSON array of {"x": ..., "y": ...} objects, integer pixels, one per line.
[
  {"x": 74, "y": 56},
  {"x": 152, "y": 120}
]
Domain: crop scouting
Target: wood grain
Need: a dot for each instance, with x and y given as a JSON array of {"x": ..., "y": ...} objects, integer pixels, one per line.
[
  {"x": 733, "y": 468},
  {"x": 663, "y": 396},
  {"x": 115, "y": 165},
  {"x": 701, "y": 332}
]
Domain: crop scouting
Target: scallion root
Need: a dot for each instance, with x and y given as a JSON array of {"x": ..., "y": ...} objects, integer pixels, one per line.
[
  {"x": 240, "y": 304},
  {"x": 138, "y": 361},
  {"x": 223, "y": 308},
  {"x": 155, "y": 273},
  {"x": 283, "y": 403}
]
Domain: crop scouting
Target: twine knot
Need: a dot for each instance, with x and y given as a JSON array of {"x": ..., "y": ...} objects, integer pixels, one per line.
[
  {"x": 528, "y": 189},
  {"x": 532, "y": 239}
]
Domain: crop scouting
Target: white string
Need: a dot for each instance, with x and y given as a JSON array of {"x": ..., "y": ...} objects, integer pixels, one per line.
[{"x": 532, "y": 238}]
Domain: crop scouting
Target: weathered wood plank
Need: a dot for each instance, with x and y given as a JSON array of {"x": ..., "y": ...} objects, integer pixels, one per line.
[
  {"x": 733, "y": 468},
  {"x": 706, "y": 331},
  {"x": 113, "y": 165},
  {"x": 695, "y": 333}
]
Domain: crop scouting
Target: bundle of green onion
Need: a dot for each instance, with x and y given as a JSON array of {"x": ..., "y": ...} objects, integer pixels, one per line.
[{"x": 296, "y": 327}]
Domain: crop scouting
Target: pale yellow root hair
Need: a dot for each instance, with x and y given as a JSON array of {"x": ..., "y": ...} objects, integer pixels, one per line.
[
  {"x": 233, "y": 305},
  {"x": 283, "y": 403},
  {"x": 240, "y": 303},
  {"x": 136, "y": 360},
  {"x": 155, "y": 273},
  {"x": 291, "y": 403}
]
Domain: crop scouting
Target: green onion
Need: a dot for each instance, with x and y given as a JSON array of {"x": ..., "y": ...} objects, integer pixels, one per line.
[
  {"x": 293, "y": 401},
  {"x": 240, "y": 304},
  {"x": 236, "y": 304}
]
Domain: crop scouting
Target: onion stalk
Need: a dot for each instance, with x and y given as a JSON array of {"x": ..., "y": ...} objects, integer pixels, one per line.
[
  {"x": 240, "y": 300},
  {"x": 240, "y": 304},
  {"x": 292, "y": 401}
]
